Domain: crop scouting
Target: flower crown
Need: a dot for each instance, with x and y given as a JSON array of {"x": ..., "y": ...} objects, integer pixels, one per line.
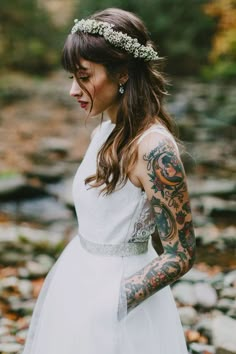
[{"x": 116, "y": 38}]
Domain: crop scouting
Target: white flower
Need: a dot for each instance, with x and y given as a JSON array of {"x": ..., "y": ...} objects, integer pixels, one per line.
[{"x": 116, "y": 38}]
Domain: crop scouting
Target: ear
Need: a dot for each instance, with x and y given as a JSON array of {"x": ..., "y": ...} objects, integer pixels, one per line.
[{"x": 123, "y": 77}]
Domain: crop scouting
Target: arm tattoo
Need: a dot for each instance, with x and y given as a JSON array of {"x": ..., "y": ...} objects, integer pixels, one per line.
[{"x": 173, "y": 218}]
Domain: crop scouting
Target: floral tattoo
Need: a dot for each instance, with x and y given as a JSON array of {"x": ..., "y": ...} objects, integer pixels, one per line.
[{"x": 171, "y": 207}]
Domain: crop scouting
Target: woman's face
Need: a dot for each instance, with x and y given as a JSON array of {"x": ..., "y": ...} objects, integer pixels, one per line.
[{"x": 103, "y": 89}]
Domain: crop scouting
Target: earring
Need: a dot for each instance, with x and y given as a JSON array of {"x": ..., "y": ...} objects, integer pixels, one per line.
[{"x": 121, "y": 89}]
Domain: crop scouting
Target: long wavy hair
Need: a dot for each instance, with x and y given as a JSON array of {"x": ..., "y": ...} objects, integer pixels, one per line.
[{"x": 139, "y": 107}]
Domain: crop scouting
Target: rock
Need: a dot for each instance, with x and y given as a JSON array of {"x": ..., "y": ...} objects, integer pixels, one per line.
[
  {"x": 10, "y": 347},
  {"x": 23, "y": 272},
  {"x": 228, "y": 236},
  {"x": 205, "y": 294},
  {"x": 37, "y": 268},
  {"x": 21, "y": 307},
  {"x": 3, "y": 331},
  {"x": 46, "y": 261},
  {"x": 226, "y": 304},
  {"x": 55, "y": 144},
  {"x": 22, "y": 334},
  {"x": 198, "y": 348},
  {"x": 188, "y": 315},
  {"x": 219, "y": 187},
  {"x": 44, "y": 210},
  {"x": 63, "y": 191},
  {"x": 9, "y": 283},
  {"x": 229, "y": 293},
  {"x": 12, "y": 257},
  {"x": 48, "y": 174},
  {"x": 16, "y": 188},
  {"x": 204, "y": 326},
  {"x": 12, "y": 234},
  {"x": 207, "y": 235},
  {"x": 25, "y": 288},
  {"x": 213, "y": 206},
  {"x": 230, "y": 279},
  {"x": 194, "y": 275},
  {"x": 184, "y": 293},
  {"x": 224, "y": 339},
  {"x": 10, "y": 184},
  {"x": 217, "y": 281},
  {"x": 232, "y": 313}
]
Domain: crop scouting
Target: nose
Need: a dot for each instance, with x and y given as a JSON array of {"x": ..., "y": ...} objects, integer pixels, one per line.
[{"x": 75, "y": 90}]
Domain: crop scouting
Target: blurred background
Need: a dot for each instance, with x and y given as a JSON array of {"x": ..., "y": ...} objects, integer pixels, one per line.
[{"x": 44, "y": 135}]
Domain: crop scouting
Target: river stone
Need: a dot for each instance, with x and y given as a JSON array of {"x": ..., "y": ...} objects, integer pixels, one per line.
[
  {"x": 17, "y": 188},
  {"x": 8, "y": 339},
  {"x": 184, "y": 293},
  {"x": 63, "y": 191},
  {"x": 45, "y": 210},
  {"x": 224, "y": 339},
  {"x": 207, "y": 234},
  {"x": 37, "y": 268},
  {"x": 188, "y": 315},
  {"x": 22, "y": 334},
  {"x": 228, "y": 235},
  {"x": 25, "y": 288},
  {"x": 55, "y": 144},
  {"x": 10, "y": 347},
  {"x": 225, "y": 304},
  {"x": 194, "y": 275},
  {"x": 46, "y": 261},
  {"x": 13, "y": 234},
  {"x": 23, "y": 272},
  {"x": 10, "y": 184},
  {"x": 3, "y": 331},
  {"x": 198, "y": 348},
  {"x": 9, "y": 282},
  {"x": 217, "y": 187},
  {"x": 230, "y": 279},
  {"x": 205, "y": 294},
  {"x": 217, "y": 281},
  {"x": 229, "y": 293},
  {"x": 22, "y": 307},
  {"x": 204, "y": 325},
  {"x": 214, "y": 205},
  {"x": 48, "y": 174}
]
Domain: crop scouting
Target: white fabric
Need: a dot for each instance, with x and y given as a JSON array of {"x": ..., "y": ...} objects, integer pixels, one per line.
[{"x": 78, "y": 311}]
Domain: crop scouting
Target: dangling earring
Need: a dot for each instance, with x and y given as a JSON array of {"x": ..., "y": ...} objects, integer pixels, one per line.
[{"x": 121, "y": 89}]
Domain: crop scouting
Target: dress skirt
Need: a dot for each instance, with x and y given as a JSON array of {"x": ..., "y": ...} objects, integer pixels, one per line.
[{"x": 77, "y": 309}]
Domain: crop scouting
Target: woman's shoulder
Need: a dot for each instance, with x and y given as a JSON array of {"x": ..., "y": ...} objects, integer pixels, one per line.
[{"x": 156, "y": 136}]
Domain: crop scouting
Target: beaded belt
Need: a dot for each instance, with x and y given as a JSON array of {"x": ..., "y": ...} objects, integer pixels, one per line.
[{"x": 121, "y": 250}]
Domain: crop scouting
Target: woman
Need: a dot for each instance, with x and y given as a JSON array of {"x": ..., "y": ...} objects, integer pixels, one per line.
[{"x": 109, "y": 291}]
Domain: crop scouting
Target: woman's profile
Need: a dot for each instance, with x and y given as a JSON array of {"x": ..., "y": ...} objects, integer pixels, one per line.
[{"x": 108, "y": 293}]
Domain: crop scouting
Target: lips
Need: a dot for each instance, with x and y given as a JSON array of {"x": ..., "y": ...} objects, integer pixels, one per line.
[{"x": 83, "y": 104}]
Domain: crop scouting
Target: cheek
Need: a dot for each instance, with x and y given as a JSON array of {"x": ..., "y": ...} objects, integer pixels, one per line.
[{"x": 106, "y": 90}]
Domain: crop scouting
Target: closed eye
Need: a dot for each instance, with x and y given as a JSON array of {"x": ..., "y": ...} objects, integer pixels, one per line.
[{"x": 83, "y": 78}]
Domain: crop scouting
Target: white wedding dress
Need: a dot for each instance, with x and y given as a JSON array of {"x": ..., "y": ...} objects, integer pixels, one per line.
[{"x": 81, "y": 308}]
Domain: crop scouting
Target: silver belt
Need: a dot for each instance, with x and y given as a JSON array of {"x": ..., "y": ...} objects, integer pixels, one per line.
[{"x": 120, "y": 250}]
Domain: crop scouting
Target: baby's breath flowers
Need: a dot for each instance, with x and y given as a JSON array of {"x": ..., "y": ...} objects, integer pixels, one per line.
[{"x": 116, "y": 38}]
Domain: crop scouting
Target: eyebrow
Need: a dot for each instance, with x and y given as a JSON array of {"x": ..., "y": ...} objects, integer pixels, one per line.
[{"x": 82, "y": 68}]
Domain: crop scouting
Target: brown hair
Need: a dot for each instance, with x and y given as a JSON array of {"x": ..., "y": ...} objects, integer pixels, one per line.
[{"x": 140, "y": 106}]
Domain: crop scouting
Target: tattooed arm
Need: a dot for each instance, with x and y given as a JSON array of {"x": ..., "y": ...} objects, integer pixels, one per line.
[{"x": 161, "y": 173}]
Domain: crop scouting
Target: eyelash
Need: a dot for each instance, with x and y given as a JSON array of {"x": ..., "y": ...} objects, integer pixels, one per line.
[{"x": 83, "y": 78}]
